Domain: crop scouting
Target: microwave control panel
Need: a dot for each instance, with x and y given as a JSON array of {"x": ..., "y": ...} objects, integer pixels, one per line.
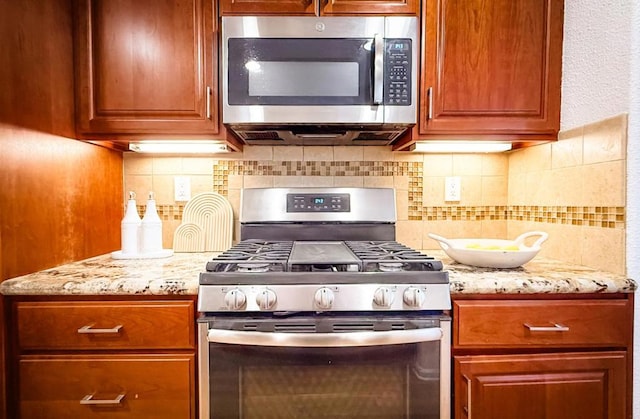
[
  {"x": 302, "y": 202},
  {"x": 397, "y": 72}
]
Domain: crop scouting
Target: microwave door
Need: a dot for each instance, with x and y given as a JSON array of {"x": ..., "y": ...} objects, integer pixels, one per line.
[
  {"x": 302, "y": 80},
  {"x": 300, "y": 71}
]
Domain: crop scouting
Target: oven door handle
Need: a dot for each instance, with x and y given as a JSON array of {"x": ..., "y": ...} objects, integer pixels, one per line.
[{"x": 324, "y": 340}]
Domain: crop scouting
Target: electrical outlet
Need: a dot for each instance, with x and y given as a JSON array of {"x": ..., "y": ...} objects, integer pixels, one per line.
[
  {"x": 182, "y": 188},
  {"x": 452, "y": 188}
]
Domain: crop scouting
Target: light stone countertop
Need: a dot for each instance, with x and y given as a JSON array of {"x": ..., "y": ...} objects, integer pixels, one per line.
[
  {"x": 178, "y": 275},
  {"x": 103, "y": 275}
]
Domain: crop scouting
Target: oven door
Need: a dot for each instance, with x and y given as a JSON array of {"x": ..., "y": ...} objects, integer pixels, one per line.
[{"x": 401, "y": 369}]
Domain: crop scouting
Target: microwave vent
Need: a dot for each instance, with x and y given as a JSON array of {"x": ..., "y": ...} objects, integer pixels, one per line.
[
  {"x": 260, "y": 135},
  {"x": 368, "y": 137},
  {"x": 318, "y": 134}
]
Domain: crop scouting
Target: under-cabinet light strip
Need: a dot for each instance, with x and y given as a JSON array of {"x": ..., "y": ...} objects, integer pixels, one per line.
[
  {"x": 461, "y": 147},
  {"x": 178, "y": 147}
]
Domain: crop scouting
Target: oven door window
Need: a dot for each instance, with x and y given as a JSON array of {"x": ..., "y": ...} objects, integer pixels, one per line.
[
  {"x": 392, "y": 381},
  {"x": 274, "y": 71}
]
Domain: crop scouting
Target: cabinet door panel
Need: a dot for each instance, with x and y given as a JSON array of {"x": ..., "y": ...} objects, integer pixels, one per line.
[
  {"x": 386, "y": 7},
  {"x": 554, "y": 386},
  {"x": 145, "y": 66},
  {"x": 266, "y": 7},
  {"x": 492, "y": 67},
  {"x": 159, "y": 386},
  {"x": 323, "y": 7},
  {"x": 133, "y": 325}
]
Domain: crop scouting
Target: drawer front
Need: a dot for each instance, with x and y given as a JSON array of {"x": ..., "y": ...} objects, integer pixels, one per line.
[
  {"x": 538, "y": 323},
  {"x": 106, "y": 387},
  {"x": 106, "y": 325}
]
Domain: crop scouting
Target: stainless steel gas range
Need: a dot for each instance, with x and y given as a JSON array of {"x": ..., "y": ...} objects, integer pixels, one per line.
[{"x": 319, "y": 313}]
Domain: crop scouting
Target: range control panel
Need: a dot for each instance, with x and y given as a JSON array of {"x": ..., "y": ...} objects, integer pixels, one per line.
[{"x": 318, "y": 202}]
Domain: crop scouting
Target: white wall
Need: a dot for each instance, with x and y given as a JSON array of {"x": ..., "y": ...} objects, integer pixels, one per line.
[
  {"x": 596, "y": 65},
  {"x": 633, "y": 192},
  {"x": 601, "y": 78}
]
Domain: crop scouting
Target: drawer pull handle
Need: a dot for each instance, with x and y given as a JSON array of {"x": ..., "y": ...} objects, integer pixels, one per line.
[
  {"x": 88, "y": 399},
  {"x": 88, "y": 329},
  {"x": 208, "y": 102},
  {"x": 555, "y": 328},
  {"x": 430, "y": 109}
]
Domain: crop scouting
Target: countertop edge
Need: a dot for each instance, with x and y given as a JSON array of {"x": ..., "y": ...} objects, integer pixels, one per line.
[{"x": 179, "y": 274}]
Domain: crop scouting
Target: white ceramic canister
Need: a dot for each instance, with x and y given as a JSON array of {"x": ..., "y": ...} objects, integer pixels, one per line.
[
  {"x": 130, "y": 227},
  {"x": 151, "y": 228}
]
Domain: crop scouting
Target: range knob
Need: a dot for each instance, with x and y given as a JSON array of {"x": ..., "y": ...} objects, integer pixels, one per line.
[
  {"x": 324, "y": 298},
  {"x": 413, "y": 297},
  {"x": 235, "y": 299},
  {"x": 266, "y": 299},
  {"x": 383, "y": 297}
]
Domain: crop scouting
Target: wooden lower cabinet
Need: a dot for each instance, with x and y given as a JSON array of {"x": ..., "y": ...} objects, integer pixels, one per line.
[
  {"x": 102, "y": 357},
  {"x": 542, "y": 356},
  {"x": 137, "y": 386},
  {"x": 549, "y": 386}
]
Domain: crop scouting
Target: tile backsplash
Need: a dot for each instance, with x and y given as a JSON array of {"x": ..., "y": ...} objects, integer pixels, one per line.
[
  {"x": 583, "y": 175},
  {"x": 574, "y": 188}
]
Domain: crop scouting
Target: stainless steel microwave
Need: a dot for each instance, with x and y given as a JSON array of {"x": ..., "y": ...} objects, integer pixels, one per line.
[{"x": 319, "y": 80}]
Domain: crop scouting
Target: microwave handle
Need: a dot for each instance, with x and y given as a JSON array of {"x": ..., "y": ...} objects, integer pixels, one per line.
[
  {"x": 324, "y": 340},
  {"x": 378, "y": 69}
]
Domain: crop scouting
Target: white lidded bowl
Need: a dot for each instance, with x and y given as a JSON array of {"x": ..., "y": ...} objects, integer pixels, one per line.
[{"x": 492, "y": 253}]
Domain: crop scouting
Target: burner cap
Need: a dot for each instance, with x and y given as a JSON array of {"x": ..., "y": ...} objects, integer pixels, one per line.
[
  {"x": 322, "y": 268},
  {"x": 390, "y": 266},
  {"x": 253, "y": 267}
]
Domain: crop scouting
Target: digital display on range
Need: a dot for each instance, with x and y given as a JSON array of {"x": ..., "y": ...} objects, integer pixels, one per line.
[{"x": 318, "y": 202}]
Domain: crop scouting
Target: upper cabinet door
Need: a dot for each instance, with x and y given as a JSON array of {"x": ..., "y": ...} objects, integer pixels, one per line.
[
  {"x": 379, "y": 7},
  {"x": 491, "y": 68},
  {"x": 319, "y": 7},
  {"x": 146, "y": 67},
  {"x": 267, "y": 7}
]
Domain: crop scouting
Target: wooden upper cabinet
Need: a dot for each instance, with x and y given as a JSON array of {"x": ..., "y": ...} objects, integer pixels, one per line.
[
  {"x": 146, "y": 67},
  {"x": 319, "y": 7},
  {"x": 491, "y": 68},
  {"x": 267, "y": 7}
]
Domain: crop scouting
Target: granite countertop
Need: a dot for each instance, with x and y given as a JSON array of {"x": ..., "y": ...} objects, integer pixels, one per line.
[
  {"x": 178, "y": 275},
  {"x": 103, "y": 275}
]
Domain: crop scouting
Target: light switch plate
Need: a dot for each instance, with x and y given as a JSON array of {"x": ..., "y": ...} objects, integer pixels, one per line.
[
  {"x": 452, "y": 188},
  {"x": 182, "y": 188}
]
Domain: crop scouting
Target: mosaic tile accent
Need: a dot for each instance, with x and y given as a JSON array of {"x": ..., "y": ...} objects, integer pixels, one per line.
[
  {"x": 165, "y": 212},
  {"x": 314, "y": 168},
  {"x": 223, "y": 168},
  {"x": 464, "y": 213},
  {"x": 604, "y": 217}
]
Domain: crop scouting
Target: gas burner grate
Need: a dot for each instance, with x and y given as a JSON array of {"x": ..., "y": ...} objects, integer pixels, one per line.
[
  {"x": 253, "y": 256},
  {"x": 268, "y": 249},
  {"x": 384, "y": 250},
  {"x": 259, "y": 256},
  {"x": 391, "y": 256}
]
